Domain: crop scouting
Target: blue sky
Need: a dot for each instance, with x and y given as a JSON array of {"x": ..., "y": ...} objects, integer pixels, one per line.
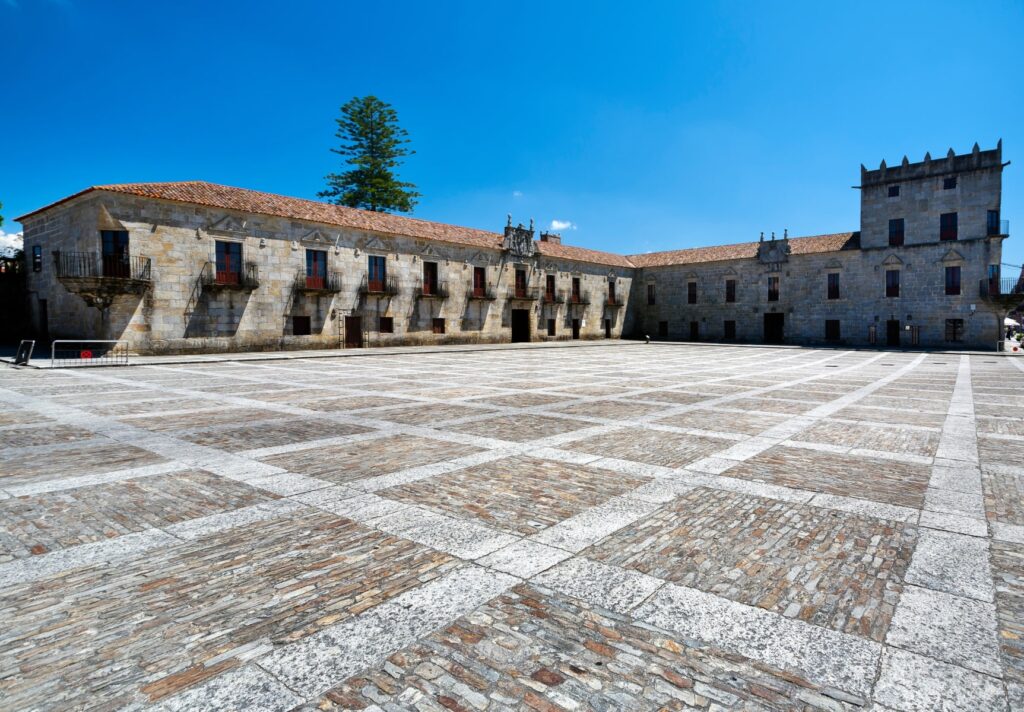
[{"x": 645, "y": 125}]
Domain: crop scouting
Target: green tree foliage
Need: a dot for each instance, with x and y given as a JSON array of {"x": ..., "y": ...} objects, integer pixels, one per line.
[
  {"x": 1, "y": 216},
  {"x": 374, "y": 146}
]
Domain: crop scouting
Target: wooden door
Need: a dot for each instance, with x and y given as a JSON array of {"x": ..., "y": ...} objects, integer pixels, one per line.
[{"x": 353, "y": 332}]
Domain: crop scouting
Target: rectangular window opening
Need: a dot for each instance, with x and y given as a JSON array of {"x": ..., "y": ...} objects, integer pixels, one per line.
[
  {"x": 301, "y": 326},
  {"x": 386, "y": 325},
  {"x": 833, "y": 285},
  {"x": 892, "y": 283},
  {"x": 953, "y": 280},
  {"x": 896, "y": 236},
  {"x": 948, "y": 226}
]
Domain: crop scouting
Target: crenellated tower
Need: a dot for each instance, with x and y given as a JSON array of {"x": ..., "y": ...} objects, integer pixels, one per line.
[{"x": 952, "y": 198}]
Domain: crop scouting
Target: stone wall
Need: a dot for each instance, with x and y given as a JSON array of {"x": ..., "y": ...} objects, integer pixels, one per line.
[
  {"x": 923, "y": 198},
  {"x": 803, "y": 296},
  {"x": 177, "y": 315}
]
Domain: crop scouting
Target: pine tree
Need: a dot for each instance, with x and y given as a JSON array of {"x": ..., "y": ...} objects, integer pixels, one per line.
[{"x": 374, "y": 144}]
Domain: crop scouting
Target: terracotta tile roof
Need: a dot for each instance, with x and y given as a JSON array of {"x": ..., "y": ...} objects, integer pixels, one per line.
[
  {"x": 251, "y": 201},
  {"x": 747, "y": 250},
  {"x": 581, "y": 254}
]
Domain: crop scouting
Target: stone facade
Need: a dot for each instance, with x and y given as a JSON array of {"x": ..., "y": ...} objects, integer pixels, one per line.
[
  {"x": 177, "y": 313},
  {"x": 837, "y": 289}
]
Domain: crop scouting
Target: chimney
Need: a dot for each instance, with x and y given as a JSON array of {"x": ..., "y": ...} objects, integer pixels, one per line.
[{"x": 551, "y": 237}]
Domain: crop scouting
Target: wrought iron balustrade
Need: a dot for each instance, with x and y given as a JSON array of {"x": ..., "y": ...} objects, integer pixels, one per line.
[
  {"x": 246, "y": 277},
  {"x": 523, "y": 294},
  {"x": 485, "y": 292},
  {"x": 328, "y": 283},
  {"x": 379, "y": 287},
  {"x": 432, "y": 290},
  {"x": 93, "y": 265}
]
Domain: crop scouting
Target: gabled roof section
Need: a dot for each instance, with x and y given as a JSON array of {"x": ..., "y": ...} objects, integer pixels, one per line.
[
  {"x": 251, "y": 201},
  {"x": 581, "y": 254},
  {"x": 747, "y": 250}
]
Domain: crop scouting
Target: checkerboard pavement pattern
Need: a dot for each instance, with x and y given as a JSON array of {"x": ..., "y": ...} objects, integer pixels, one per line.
[{"x": 617, "y": 526}]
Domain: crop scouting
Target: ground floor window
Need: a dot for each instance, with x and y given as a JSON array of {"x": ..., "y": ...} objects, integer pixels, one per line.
[
  {"x": 386, "y": 325},
  {"x": 729, "y": 331},
  {"x": 551, "y": 327},
  {"x": 831, "y": 330},
  {"x": 301, "y": 326},
  {"x": 439, "y": 326},
  {"x": 954, "y": 330},
  {"x": 662, "y": 329}
]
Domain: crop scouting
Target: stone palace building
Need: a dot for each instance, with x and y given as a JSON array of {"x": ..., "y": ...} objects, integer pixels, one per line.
[{"x": 197, "y": 267}]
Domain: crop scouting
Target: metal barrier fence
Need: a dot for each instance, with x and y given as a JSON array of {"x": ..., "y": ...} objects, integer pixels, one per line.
[{"x": 66, "y": 353}]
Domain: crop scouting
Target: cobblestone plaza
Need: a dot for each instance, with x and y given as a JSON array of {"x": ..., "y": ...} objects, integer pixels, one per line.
[{"x": 595, "y": 526}]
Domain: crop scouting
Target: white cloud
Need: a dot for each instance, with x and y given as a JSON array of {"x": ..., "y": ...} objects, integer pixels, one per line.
[
  {"x": 9, "y": 242},
  {"x": 517, "y": 194},
  {"x": 562, "y": 225}
]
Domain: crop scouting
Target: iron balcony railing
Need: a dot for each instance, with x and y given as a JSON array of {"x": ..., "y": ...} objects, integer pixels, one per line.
[
  {"x": 81, "y": 265},
  {"x": 579, "y": 298},
  {"x": 613, "y": 300},
  {"x": 523, "y": 294},
  {"x": 484, "y": 292},
  {"x": 1006, "y": 286},
  {"x": 242, "y": 277},
  {"x": 555, "y": 297},
  {"x": 1003, "y": 228},
  {"x": 330, "y": 282},
  {"x": 387, "y": 286},
  {"x": 432, "y": 290}
]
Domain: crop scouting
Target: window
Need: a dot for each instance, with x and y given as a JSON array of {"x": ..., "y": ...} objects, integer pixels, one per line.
[
  {"x": 301, "y": 326},
  {"x": 316, "y": 268},
  {"x": 549, "y": 288},
  {"x": 896, "y": 232},
  {"x": 773, "y": 289},
  {"x": 663, "y": 329},
  {"x": 831, "y": 330},
  {"x": 954, "y": 330},
  {"x": 377, "y": 273},
  {"x": 730, "y": 290},
  {"x": 551, "y": 327},
  {"x": 894, "y": 191},
  {"x": 992, "y": 223},
  {"x": 892, "y": 283},
  {"x": 386, "y": 325},
  {"x": 947, "y": 226},
  {"x": 691, "y": 292},
  {"x": 576, "y": 290},
  {"x": 949, "y": 183},
  {"x": 611, "y": 291},
  {"x": 729, "y": 330},
  {"x": 115, "y": 253},
  {"x": 229, "y": 262},
  {"x": 479, "y": 281},
  {"x": 520, "y": 285},
  {"x": 953, "y": 280},
  {"x": 430, "y": 278},
  {"x": 37, "y": 259},
  {"x": 438, "y": 325},
  {"x": 650, "y": 295},
  {"x": 833, "y": 285}
]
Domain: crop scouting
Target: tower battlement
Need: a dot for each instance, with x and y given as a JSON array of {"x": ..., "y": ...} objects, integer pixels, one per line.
[{"x": 933, "y": 167}]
